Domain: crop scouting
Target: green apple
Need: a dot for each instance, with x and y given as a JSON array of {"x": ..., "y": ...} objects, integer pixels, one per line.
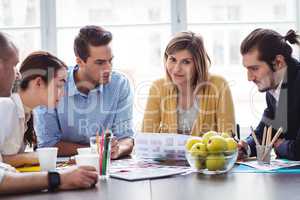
[
  {"x": 232, "y": 145},
  {"x": 225, "y": 135},
  {"x": 207, "y": 135},
  {"x": 199, "y": 164},
  {"x": 199, "y": 149},
  {"x": 215, "y": 162},
  {"x": 216, "y": 144},
  {"x": 191, "y": 141}
]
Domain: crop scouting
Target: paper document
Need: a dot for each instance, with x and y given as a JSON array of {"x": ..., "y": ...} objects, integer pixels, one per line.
[
  {"x": 160, "y": 146},
  {"x": 137, "y": 169},
  {"x": 141, "y": 174},
  {"x": 275, "y": 164}
]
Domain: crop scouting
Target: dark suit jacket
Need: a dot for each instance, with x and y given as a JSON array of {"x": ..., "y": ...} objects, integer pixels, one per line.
[{"x": 285, "y": 114}]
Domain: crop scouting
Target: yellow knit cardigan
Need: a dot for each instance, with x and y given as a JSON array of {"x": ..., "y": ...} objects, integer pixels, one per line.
[{"x": 216, "y": 110}]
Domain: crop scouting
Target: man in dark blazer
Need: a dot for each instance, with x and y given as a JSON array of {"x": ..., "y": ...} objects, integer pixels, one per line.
[{"x": 267, "y": 56}]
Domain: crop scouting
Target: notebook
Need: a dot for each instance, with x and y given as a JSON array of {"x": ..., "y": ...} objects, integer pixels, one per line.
[
  {"x": 146, "y": 173},
  {"x": 29, "y": 169}
]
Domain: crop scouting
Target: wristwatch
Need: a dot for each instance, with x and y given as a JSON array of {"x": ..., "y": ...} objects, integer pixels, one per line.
[{"x": 53, "y": 181}]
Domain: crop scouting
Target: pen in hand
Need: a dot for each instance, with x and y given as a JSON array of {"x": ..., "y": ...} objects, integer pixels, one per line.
[{"x": 242, "y": 150}]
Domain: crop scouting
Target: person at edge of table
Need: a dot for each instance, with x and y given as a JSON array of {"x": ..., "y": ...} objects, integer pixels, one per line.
[
  {"x": 267, "y": 56},
  {"x": 41, "y": 81},
  {"x": 10, "y": 180}
]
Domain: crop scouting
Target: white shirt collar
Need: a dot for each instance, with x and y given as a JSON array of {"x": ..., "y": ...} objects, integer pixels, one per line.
[
  {"x": 21, "y": 109},
  {"x": 276, "y": 92}
]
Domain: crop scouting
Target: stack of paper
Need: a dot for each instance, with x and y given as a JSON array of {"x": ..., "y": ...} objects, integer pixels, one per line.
[{"x": 160, "y": 146}]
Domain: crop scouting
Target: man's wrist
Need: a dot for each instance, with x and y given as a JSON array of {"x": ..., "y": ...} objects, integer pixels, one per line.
[{"x": 247, "y": 148}]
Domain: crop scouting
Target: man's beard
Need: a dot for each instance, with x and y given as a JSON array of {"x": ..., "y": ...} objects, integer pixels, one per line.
[
  {"x": 270, "y": 85},
  {"x": 264, "y": 89}
]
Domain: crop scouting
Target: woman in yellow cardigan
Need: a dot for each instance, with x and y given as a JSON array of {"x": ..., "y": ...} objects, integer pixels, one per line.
[{"x": 189, "y": 100}]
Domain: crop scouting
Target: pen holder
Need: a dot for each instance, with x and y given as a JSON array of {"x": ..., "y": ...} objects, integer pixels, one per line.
[{"x": 263, "y": 154}]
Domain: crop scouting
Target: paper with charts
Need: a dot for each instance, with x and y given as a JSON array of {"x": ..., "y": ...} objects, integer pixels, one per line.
[{"x": 160, "y": 146}]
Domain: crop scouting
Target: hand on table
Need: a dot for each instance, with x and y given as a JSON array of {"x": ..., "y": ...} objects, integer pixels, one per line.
[
  {"x": 242, "y": 148},
  {"x": 278, "y": 142},
  {"x": 78, "y": 178},
  {"x": 115, "y": 148}
]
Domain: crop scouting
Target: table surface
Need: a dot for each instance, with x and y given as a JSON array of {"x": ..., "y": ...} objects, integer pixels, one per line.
[{"x": 229, "y": 186}]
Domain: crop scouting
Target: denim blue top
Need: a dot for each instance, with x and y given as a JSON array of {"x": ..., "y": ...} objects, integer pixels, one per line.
[{"x": 78, "y": 116}]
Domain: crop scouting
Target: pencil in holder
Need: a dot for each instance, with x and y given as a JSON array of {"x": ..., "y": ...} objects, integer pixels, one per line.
[{"x": 104, "y": 155}]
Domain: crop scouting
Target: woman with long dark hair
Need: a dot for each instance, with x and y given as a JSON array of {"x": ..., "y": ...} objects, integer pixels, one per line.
[{"x": 42, "y": 79}]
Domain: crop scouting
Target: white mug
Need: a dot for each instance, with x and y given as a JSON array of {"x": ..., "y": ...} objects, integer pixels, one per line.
[{"x": 47, "y": 158}]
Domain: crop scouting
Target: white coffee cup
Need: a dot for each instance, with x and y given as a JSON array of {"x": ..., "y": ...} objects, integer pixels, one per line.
[
  {"x": 47, "y": 158},
  {"x": 88, "y": 160},
  {"x": 84, "y": 151}
]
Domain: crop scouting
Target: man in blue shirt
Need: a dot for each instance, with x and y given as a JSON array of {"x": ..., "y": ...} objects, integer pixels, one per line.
[{"x": 96, "y": 99}]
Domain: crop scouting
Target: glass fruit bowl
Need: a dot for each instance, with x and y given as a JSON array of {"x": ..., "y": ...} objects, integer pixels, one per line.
[{"x": 212, "y": 163}]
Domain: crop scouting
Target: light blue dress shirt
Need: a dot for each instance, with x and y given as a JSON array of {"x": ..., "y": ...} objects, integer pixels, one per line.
[{"x": 78, "y": 116}]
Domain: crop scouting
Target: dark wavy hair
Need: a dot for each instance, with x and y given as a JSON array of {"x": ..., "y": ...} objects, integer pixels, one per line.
[{"x": 269, "y": 44}]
